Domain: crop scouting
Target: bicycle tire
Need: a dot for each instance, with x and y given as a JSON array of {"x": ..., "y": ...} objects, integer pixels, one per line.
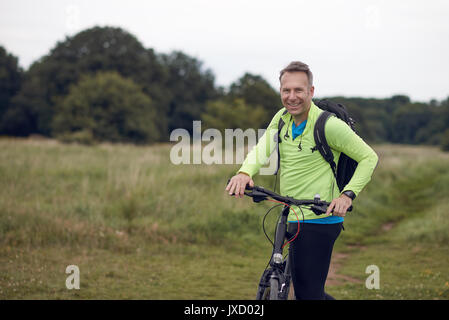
[
  {"x": 274, "y": 289},
  {"x": 269, "y": 294},
  {"x": 265, "y": 295}
]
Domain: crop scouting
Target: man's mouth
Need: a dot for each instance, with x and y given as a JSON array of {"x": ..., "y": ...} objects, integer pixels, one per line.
[{"x": 294, "y": 105}]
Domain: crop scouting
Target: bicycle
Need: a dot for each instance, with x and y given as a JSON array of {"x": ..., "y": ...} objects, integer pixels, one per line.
[{"x": 275, "y": 281}]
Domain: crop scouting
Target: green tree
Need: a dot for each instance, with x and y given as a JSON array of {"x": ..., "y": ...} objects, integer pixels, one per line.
[
  {"x": 374, "y": 117},
  {"x": 109, "y": 108},
  {"x": 408, "y": 120},
  {"x": 256, "y": 91},
  {"x": 10, "y": 82},
  {"x": 190, "y": 87},
  {"x": 398, "y": 100}
]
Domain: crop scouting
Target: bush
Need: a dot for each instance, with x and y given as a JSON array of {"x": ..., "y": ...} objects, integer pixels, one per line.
[
  {"x": 84, "y": 136},
  {"x": 106, "y": 107}
]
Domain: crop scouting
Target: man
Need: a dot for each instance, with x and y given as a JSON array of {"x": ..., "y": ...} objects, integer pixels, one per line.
[{"x": 305, "y": 173}]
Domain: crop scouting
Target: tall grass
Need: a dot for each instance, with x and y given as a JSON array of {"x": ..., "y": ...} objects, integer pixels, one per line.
[{"x": 54, "y": 194}]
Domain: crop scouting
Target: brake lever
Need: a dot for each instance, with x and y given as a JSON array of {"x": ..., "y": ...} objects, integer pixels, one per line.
[
  {"x": 257, "y": 195},
  {"x": 318, "y": 210}
]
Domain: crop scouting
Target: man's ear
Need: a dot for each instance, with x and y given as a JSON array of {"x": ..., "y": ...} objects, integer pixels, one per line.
[{"x": 312, "y": 90}]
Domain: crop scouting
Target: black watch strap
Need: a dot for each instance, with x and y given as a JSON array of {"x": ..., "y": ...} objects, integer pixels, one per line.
[{"x": 350, "y": 194}]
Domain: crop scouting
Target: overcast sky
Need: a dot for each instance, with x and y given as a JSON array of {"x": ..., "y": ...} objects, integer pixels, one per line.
[{"x": 370, "y": 48}]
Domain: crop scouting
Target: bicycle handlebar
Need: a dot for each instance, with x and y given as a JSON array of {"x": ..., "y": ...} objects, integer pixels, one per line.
[{"x": 259, "y": 194}]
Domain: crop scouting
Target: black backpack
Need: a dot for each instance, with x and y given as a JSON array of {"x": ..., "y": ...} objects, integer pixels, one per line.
[{"x": 344, "y": 171}]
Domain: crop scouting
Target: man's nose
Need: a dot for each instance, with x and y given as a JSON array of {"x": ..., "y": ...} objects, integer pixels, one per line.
[{"x": 292, "y": 95}]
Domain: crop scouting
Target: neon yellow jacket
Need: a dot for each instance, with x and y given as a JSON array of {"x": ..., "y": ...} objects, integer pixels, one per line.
[{"x": 305, "y": 173}]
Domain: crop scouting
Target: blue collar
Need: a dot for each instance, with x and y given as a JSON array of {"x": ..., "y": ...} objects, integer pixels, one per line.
[{"x": 298, "y": 130}]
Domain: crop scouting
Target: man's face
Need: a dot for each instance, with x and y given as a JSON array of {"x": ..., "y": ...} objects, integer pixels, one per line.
[{"x": 296, "y": 94}]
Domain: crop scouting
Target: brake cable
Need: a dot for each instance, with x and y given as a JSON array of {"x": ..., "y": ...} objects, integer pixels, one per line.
[{"x": 297, "y": 218}]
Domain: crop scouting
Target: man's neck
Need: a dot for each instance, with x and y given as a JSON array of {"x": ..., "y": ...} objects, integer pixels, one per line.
[
  {"x": 298, "y": 121},
  {"x": 301, "y": 118}
]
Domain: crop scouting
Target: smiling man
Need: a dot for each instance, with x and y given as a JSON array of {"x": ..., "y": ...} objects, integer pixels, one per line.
[
  {"x": 297, "y": 93},
  {"x": 305, "y": 173}
]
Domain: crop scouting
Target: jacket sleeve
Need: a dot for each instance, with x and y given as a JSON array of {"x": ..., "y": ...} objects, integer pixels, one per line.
[
  {"x": 259, "y": 155},
  {"x": 342, "y": 138}
]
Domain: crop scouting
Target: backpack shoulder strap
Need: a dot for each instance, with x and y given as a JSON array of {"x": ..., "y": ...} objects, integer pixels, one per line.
[
  {"x": 320, "y": 140},
  {"x": 278, "y": 140},
  {"x": 281, "y": 122}
]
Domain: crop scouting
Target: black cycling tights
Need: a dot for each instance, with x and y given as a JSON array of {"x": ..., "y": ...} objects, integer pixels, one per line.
[{"x": 310, "y": 255}]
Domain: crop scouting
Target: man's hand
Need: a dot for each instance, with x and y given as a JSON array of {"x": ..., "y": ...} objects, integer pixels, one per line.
[
  {"x": 340, "y": 205},
  {"x": 238, "y": 183}
]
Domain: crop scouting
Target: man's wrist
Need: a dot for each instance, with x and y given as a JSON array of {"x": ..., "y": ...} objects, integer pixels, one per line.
[{"x": 350, "y": 194}]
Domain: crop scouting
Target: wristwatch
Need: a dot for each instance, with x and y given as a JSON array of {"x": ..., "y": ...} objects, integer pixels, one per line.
[{"x": 350, "y": 194}]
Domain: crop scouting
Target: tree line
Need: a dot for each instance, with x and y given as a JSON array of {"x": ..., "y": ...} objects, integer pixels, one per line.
[{"x": 102, "y": 84}]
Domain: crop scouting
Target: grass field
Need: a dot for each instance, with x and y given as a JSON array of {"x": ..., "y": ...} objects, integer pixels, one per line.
[{"x": 139, "y": 227}]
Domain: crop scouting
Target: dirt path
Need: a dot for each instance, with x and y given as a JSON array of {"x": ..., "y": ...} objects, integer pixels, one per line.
[{"x": 335, "y": 279}]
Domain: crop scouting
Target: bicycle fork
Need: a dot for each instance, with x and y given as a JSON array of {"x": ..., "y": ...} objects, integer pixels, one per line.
[{"x": 282, "y": 273}]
